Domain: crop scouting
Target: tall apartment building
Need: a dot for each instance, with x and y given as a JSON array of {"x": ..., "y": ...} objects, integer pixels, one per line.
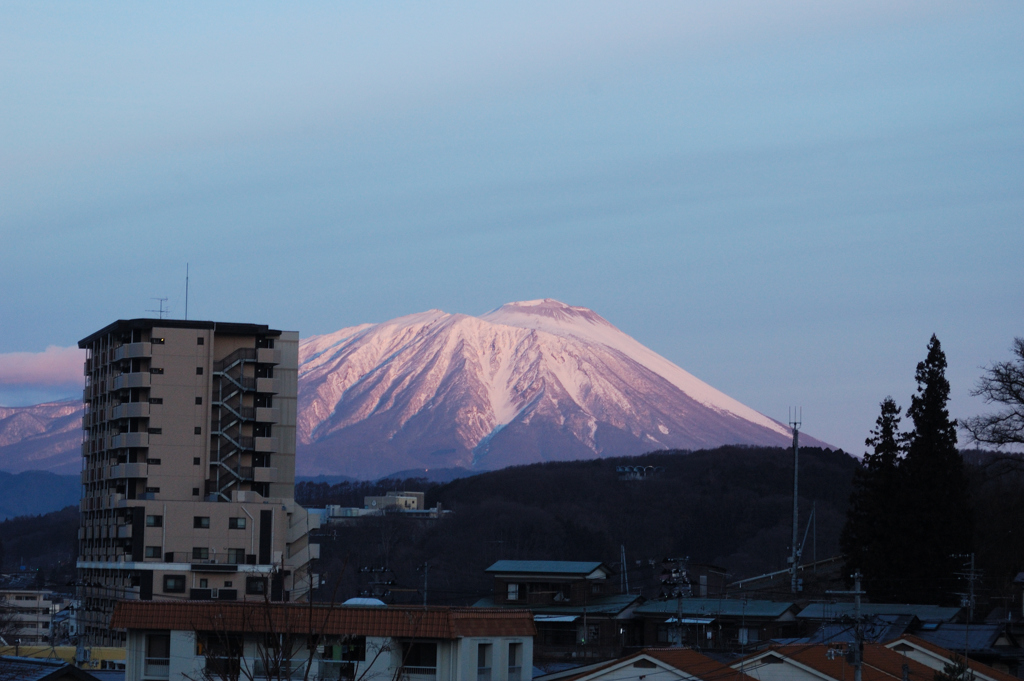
[{"x": 188, "y": 473}]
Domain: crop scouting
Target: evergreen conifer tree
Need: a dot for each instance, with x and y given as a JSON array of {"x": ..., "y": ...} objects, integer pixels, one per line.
[
  {"x": 935, "y": 519},
  {"x": 870, "y": 539}
]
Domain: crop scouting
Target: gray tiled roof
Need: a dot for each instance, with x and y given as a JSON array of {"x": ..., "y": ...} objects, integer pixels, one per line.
[
  {"x": 925, "y": 613},
  {"x": 953, "y": 636},
  {"x": 546, "y": 567},
  {"x": 717, "y": 607},
  {"x": 604, "y": 605}
]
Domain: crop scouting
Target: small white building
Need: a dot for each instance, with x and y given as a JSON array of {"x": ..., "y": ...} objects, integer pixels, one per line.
[{"x": 248, "y": 641}]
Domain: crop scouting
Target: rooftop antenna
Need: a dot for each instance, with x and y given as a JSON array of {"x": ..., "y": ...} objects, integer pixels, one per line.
[
  {"x": 186, "y": 291},
  {"x": 795, "y": 421},
  {"x": 160, "y": 311}
]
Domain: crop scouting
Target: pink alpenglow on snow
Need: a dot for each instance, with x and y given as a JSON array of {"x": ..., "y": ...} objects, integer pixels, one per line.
[{"x": 530, "y": 381}]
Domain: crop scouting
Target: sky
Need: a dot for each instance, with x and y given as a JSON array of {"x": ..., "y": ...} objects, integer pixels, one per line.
[{"x": 785, "y": 199}]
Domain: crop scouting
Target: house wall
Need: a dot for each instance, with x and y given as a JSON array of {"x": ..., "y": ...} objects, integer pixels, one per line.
[
  {"x": 456, "y": 660},
  {"x": 778, "y": 671},
  {"x": 468, "y": 650}
]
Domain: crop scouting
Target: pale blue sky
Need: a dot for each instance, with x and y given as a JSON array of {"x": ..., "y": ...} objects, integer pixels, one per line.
[{"x": 786, "y": 199}]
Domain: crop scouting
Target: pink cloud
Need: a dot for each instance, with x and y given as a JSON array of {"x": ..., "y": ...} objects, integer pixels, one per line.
[{"x": 53, "y": 366}]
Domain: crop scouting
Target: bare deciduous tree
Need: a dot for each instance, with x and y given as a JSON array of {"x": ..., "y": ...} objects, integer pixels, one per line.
[{"x": 1003, "y": 384}]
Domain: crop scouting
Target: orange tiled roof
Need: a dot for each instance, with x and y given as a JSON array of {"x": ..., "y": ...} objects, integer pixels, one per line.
[{"x": 434, "y": 622}]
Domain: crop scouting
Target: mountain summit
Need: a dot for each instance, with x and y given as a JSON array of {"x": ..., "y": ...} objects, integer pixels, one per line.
[{"x": 530, "y": 381}]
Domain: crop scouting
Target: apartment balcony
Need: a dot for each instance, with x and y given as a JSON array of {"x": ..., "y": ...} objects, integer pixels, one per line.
[
  {"x": 129, "y": 470},
  {"x": 310, "y": 552},
  {"x": 129, "y": 440},
  {"x": 264, "y": 474},
  {"x": 265, "y": 444},
  {"x": 136, "y": 379},
  {"x": 267, "y": 385},
  {"x": 268, "y": 414},
  {"x": 301, "y": 528},
  {"x": 268, "y": 356},
  {"x": 133, "y": 350},
  {"x": 127, "y": 410}
]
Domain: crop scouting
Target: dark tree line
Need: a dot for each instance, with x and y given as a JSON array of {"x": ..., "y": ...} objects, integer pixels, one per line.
[
  {"x": 730, "y": 506},
  {"x": 910, "y": 523}
]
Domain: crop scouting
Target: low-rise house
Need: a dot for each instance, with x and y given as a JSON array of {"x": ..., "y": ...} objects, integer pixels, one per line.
[
  {"x": 835, "y": 661},
  {"x": 715, "y": 623},
  {"x": 983, "y": 649},
  {"x": 244, "y": 640},
  {"x": 577, "y": 609},
  {"x": 653, "y": 663}
]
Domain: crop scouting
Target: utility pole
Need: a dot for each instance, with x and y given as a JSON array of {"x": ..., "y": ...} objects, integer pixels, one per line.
[
  {"x": 426, "y": 571},
  {"x": 624, "y": 578},
  {"x": 967, "y": 599},
  {"x": 794, "y": 557},
  {"x": 858, "y": 626}
]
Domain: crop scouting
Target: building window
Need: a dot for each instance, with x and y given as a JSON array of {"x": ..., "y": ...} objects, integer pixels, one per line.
[
  {"x": 513, "y": 592},
  {"x": 153, "y": 462},
  {"x": 174, "y": 584},
  {"x": 199, "y": 371},
  {"x": 200, "y": 340},
  {"x": 156, "y": 370},
  {"x": 195, "y": 491},
  {"x": 199, "y": 400},
  {"x": 483, "y": 662},
  {"x": 156, "y": 400},
  {"x": 200, "y": 553},
  {"x": 199, "y": 430},
  {"x": 156, "y": 431},
  {"x": 195, "y": 462},
  {"x": 154, "y": 521},
  {"x": 236, "y": 523},
  {"x": 152, "y": 490},
  {"x": 255, "y": 586},
  {"x": 158, "y": 650},
  {"x": 201, "y": 522},
  {"x": 157, "y": 341},
  {"x": 204, "y": 583},
  {"x": 236, "y": 556},
  {"x": 152, "y": 552},
  {"x": 419, "y": 657},
  {"x": 515, "y": 661}
]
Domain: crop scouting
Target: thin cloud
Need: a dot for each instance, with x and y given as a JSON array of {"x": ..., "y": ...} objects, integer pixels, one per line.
[{"x": 53, "y": 366}]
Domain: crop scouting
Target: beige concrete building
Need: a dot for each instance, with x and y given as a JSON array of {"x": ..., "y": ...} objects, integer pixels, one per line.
[
  {"x": 188, "y": 470},
  {"x": 26, "y": 616}
]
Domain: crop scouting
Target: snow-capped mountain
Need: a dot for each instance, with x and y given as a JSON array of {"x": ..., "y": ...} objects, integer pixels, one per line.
[
  {"x": 42, "y": 437},
  {"x": 531, "y": 381}
]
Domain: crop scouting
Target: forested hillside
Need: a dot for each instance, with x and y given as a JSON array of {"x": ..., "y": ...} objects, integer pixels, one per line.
[{"x": 730, "y": 506}]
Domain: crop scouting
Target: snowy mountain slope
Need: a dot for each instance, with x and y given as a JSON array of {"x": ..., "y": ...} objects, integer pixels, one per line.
[
  {"x": 42, "y": 437},
  {"x": 530, "y": 381}
]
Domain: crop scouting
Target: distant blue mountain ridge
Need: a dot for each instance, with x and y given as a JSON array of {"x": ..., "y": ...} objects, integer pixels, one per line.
[{"x": 37, "y": 492}]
